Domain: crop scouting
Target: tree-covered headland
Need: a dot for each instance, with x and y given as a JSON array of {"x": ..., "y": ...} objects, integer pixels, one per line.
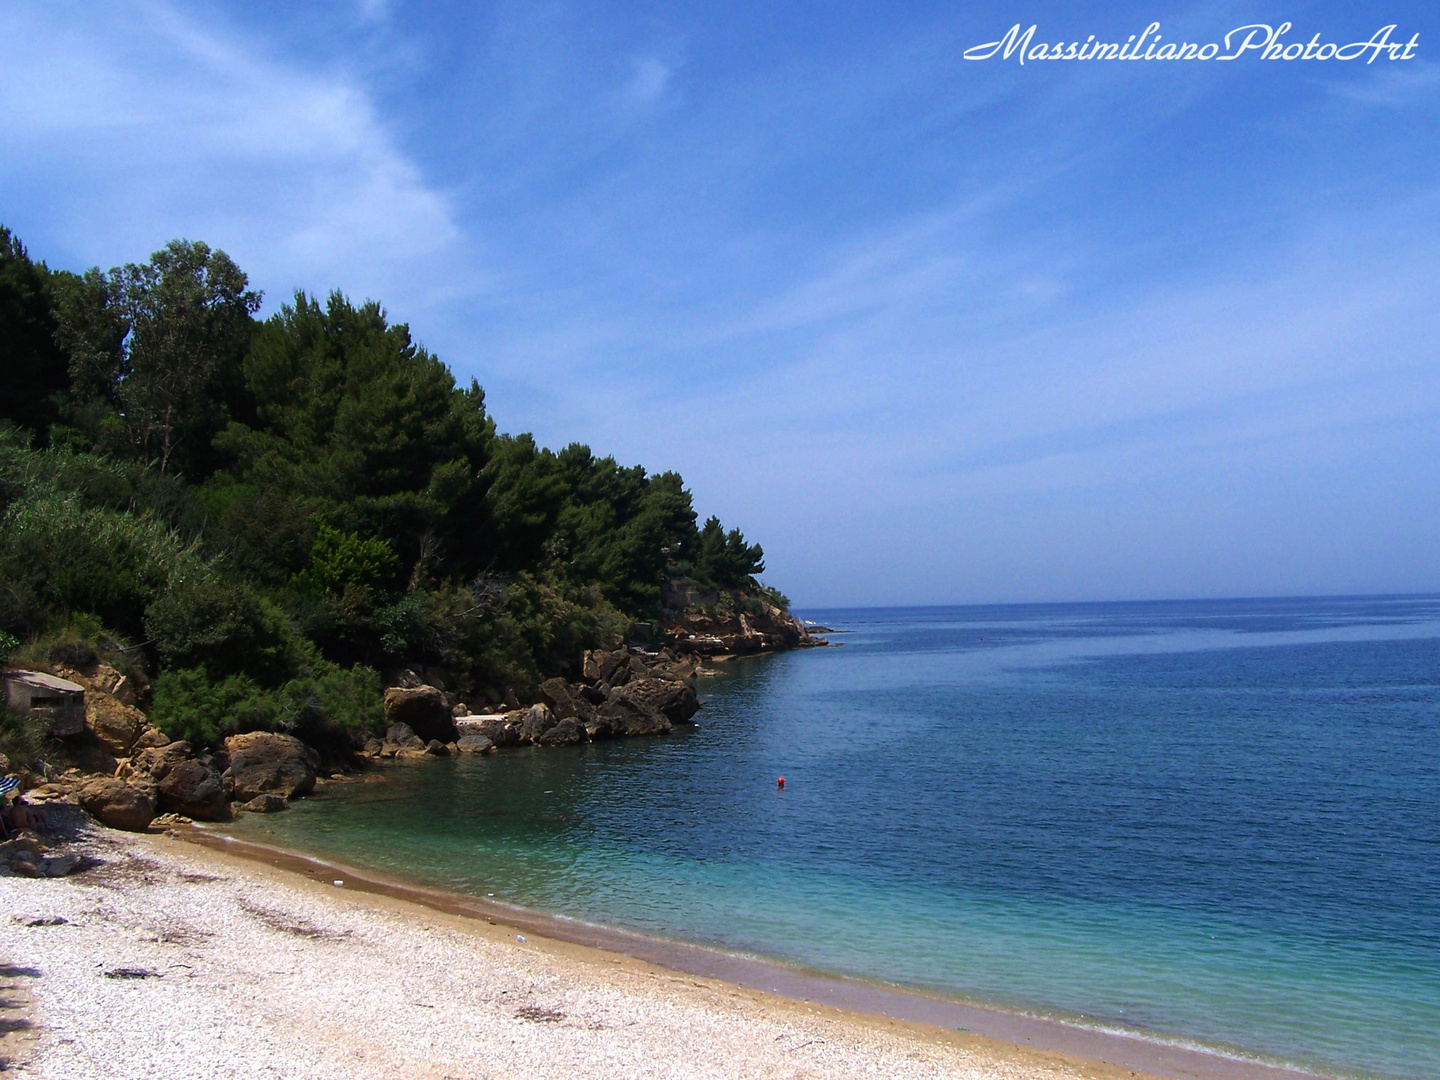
[{"x": 264, "y": 519}]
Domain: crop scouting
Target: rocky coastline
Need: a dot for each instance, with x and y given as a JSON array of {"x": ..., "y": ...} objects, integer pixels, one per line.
[{"x": 128, "y": 774}]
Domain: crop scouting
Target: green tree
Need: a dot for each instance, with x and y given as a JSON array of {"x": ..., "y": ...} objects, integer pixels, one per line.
[
  {"x": 725, "y": 559},
  {"x": 33, "y": 368},
  {"x": 620, "y": 528},
  {"x": 355, "y": 418},
  {"x": 185, "y": 318}
]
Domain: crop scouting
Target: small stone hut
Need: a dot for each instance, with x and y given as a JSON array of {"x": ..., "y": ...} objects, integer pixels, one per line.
[{"x": 61, "y": 702}]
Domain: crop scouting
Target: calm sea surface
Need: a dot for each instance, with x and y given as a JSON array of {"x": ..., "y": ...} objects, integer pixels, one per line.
[{"x": 1217, "y": 822}]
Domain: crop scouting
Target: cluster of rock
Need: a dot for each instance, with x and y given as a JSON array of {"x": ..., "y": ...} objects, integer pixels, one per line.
[
  {"x": 621, "y": 693},
  {"x": 134, "y": 771},
  {"x": 259, "y": 772},
  {"x": 701, "y": 630},
  {"x": 29, "y": 854}
]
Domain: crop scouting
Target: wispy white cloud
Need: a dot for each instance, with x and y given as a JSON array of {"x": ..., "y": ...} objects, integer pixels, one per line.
[
  {"x": 928, "y": 331},
  {"x": 139, "y": 122}
]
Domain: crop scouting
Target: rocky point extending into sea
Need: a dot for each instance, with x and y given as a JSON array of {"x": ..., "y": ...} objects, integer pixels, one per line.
[{"x": 128, "y": 774}]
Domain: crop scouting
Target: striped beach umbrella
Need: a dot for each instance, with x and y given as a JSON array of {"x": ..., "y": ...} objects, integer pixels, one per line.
[{"x": 8, "y": 784}]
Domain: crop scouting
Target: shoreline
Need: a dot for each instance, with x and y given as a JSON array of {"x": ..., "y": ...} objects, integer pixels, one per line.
[
  {"x": 168, "y": 960},
  {"x": 1151, "y": 1055}
]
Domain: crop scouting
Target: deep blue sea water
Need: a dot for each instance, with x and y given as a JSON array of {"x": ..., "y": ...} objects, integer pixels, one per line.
[{"x": 1211, "y": 821}]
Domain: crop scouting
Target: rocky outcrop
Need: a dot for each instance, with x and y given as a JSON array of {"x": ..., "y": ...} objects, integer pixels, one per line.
[
  {"x": 423, "y": 708},
  {"x": 115, "y": 724},
  {"x": 266, "y": 763},
  {"x": 671, "y": 697},
  {"x": 624, "y": 692},
  {"x": 117, "y": 803},
  {"x": 610, "y": 667},
  {"x": 403, "y": 735},
  {"x": 741, "y": 626},
  {"x": 565, "y": 732},
  {"x": 566, "y": 702},
  {"x": 105, "y": 679},
  {"x": 110, "y": 700},
  {"x": 623, "y": 717},
  {"x": 402, "y": 742}
]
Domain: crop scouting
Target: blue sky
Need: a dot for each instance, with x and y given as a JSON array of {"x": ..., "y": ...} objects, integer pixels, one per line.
[{"x": 931, "y": 330}]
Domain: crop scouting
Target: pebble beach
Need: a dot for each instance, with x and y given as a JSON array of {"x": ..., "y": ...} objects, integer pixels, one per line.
[{"x": 166, "y": 960}]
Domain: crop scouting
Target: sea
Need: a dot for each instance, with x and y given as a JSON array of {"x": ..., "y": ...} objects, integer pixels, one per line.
[{"x": 1215, "y": 823}]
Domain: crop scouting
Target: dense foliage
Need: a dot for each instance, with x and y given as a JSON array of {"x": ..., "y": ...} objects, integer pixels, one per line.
[{"x": 268, "y": 515}]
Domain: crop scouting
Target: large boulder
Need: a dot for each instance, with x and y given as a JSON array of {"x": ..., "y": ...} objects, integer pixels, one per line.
[
  {"x": 537, "y": 721},
  {"x": 423, "y": 708},
  {"x": 566, "y": 733},
  {"x": 564, "y": 701},
  {"x": 118, "y": 804},
  {"x": 623, "y": 716},
  {"x": 600, "y": 665},
  {"x": 266, "y": 763},
  {"x": 195, "y": 790},
  {"x": 116, "y": 725},
  {"x": 265, "y": 804},
  {"x": 156, "y": 761},
  {"x": 184, "y": 785},
  {"x": 671, "y": 697},
  {"x": 148, "y": 738},
  {"x": 474, "y": 744}
]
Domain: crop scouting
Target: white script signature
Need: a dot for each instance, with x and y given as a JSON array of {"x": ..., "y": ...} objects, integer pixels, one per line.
[{"x": 1262, "y": 39}]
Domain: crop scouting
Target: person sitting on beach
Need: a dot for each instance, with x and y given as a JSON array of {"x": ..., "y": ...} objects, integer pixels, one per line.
[
  {"x": 21, "y": 815},
  {"x": 16, "y": 815}
]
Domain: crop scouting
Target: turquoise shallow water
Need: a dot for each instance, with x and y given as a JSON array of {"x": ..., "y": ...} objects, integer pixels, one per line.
[{"x": 1217, "y": 822}]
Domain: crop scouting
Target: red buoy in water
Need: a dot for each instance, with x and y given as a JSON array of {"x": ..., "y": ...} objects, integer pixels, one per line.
[{"x": 780, "y": 783}]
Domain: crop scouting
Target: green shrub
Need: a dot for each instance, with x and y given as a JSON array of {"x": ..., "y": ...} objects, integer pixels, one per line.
[
  {"x": 58, "y": 556},
  {"x": 96, "y": 481},
  {"x": 224, "y": 627},
  {"x": 188, "y": 704},
  {"x": 81, "y": 642},
  {"x": 350, "y": 699},
  {"x": 341, "y": 560}
]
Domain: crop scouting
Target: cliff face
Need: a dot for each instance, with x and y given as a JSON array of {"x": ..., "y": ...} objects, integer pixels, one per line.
[{"x": 733, "y": 623}]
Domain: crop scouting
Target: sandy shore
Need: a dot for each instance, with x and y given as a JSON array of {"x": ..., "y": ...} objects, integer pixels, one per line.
[{"x": 172, "y": 961}]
